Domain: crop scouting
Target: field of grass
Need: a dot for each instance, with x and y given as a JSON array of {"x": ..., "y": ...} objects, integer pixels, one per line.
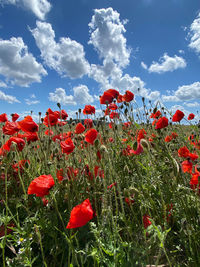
[{"x": 125, "y": 193}]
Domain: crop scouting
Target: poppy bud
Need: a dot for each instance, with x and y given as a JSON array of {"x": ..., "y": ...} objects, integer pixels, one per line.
[{"x": 58, "y": 104}]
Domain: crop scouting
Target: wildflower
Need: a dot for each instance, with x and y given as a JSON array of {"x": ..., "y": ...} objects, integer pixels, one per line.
[
  {"x": 64, "y": 114},
  {"x": 114, "y": 115},
  {"x": 88, "y": 123},
  {"x": 183, "y": 152},
  {"x": 168, "y": 138},
  {"x": 91, "y": 135},
  {"x": 146, "y": 221},
  {"x": 79, "y": 128},
  {"x": 3, "y": 117},
  {"x": 11, "y": 128},
  {"x": 19, "y": 141},
  {"x": 41, "y": 185},
  {"x": 191, "y": 116},
  {"x": 128, "y": 96},
  {"x": 112, "y": 106},
  {"x": 178, "y": 116},
  {"x": 28, "y": 125},
  {"x": 161, "y": 123},
  {"x": 80, "y": 215},
  {"x": 67, "y": 146},
  {"x": 106, "y": 98},
  {"x": 89, "y": 110},
  {"x": 186, "y": 166}
]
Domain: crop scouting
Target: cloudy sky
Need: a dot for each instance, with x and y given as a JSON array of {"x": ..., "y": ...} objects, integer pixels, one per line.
[{"x": 71, "y": 51}]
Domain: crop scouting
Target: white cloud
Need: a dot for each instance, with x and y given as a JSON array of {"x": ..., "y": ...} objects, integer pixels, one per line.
[
  {"x": 167, "y": 63},
  {"x": 81, "y": 96},
  {"x": 31, "y": 102},
  {"x": 194, "y": 34},
  {"x": 106, "y": 35},
  {"x": 3, "y": 85},
  {"x": 8, "y": 98},
  {"x": 192, "y": 105},
  {"x": 144, "y": 66},
  {"x": 17, "y": 65},
  {"x": 39, "y": 7},
  {"x": 67, "y": 56},
  {"x": 60, "y": 96},
  {"x": 184, "y": 93}
]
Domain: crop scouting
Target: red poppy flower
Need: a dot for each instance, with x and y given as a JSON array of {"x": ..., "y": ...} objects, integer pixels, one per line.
[
  {"x": 129, "y": 201},
  {"x": 3, "y": 117},
  {"x": 178, "y": 116},
  {"x": 114, "y": 115},
  {"x": 183, "y": 152},
  {"x": 140, "y": 134},
  {"x": 11, "y": 128},
  {"x": 191, "y": 116},
  {"x": 106, "y": 98},
  {"x": 113, "y": 106},
  {"x": 138, "y": 151},
  {"x": 64, "y": 114},
  {"x": 67, "y": 146},
  {"x": 119, "y": 98},
  {"x": 48, "y": 132},
  {"x": 111, "y": 185},
  {"x": 19, "y": 141},
  {"x": 79, "y": 128},
  {"x": 113, "y": 92},
  {"x": 107, "y": 111},
  {"x": 30, "y": 137},
  {"x": 60, "y": 175},
  {"x": 7, "y": 230},
  {"x": 146, "y": 221},
  {"x": 161, "y": 123},
  {"x": 72, "y": 173},
  {"x": 128, "y": 96},
  {"x": 193, "y": 156},
  {"x": 80, "y": 215},
  {"x": 91, "y": 135},
  {"x": 88, "y": 123},
  {"x": 28, "y": 125},
  {"x": 50, "y": 120},
  {"x": 89, "y": 110},
  {"x": 186, "y": 166},
  {"x": 41, "y": 185},
  {"x": 20, "y": 165},
  {"x": 15, "y": 116},
  {"x": 168, "y": 138},
  {"x": 98, "y": 172}
]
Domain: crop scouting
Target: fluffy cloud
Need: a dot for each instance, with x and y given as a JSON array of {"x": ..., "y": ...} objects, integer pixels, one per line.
[
  {"x": 17, "y": 65},
  {"x": 184, "y": 93},
  {"x": 195, "y": 35},
  {"x": 192, "y": 105},
  {"x": 60, "y": 96},
  {"x": 39, "y": 7},
  {"x": 67, "y": 56},
  {"x": 32, "y": 100},
  {"x": 3, "y": 85},
  {"x": 144, "y": 66},
  {"x": 8, "y": 98},
  {"x": 81, "y": 96},
  {"x": 166, "y": 63},
  {"x": 106, "y": 35}
]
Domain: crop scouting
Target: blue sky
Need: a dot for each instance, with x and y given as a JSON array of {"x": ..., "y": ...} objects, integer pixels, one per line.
[{"x": 71, "y": 51}]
